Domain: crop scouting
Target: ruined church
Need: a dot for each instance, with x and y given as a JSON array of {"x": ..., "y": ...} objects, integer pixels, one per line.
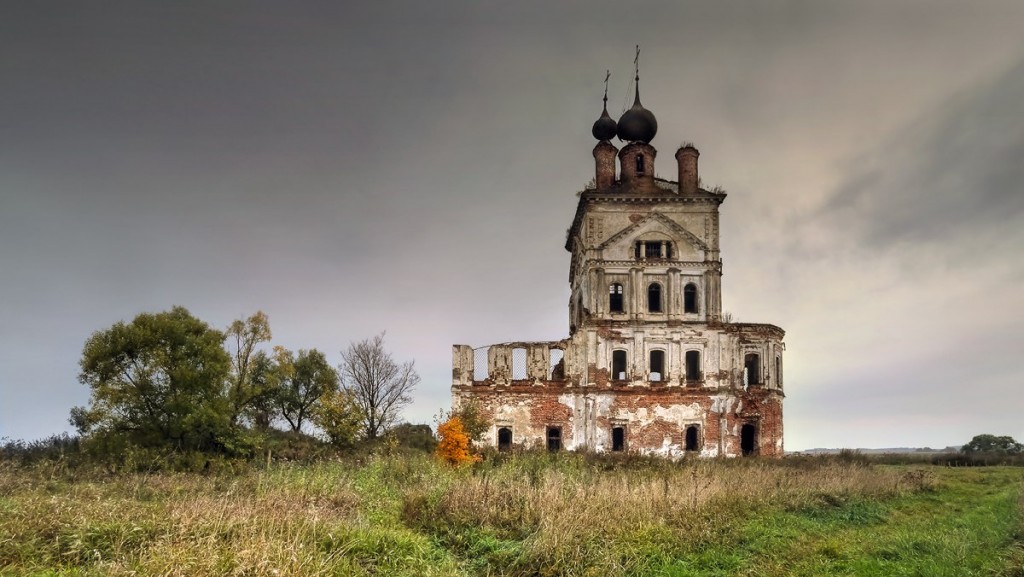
[{"x": 650, "y": 364}]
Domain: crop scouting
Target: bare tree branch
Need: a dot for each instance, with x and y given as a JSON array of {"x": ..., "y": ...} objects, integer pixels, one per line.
[{"x": 380, "y": 386}]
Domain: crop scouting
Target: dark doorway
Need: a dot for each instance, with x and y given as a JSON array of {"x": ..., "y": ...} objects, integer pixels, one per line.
[
  {"x": 618, "y": 439},
  {"x": 554, "y": 439},
  {"x": 748, "y": 439},
  {"x": 693, "y": 438},
  {"x": 504, "y": 439}
]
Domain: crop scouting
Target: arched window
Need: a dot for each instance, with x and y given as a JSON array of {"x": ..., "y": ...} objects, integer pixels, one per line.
[
  {"x": 504, "y": 439},
  {"x": 778, "y": 371},
  {"x": 639, "y": 164},
  {"x": 690, "y": 298},
  {"x": 618, "y": 365},
  {"x": 657, "y": 365},
  {"x": 692, "y": 366},
  {"x": 615, "y": 298},
  {"x": 751, "y": 369},
  {"x": 693, "y": 438},
  {"x": 654, "y": 297}
]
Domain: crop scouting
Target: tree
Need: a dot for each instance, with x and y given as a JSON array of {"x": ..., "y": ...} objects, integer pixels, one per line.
[
  {"x": 473, "y": 420},
  {"x": 301, "y": 381},
  {"x": 453, "y": 447},
  {"x": 248, "y": 387},
  {"x": 337, "y": 415},
  {"x": 158, "y": 380},
  {"x": 380, "y": 386},
  {"x": 1003, "y": 445},
  {"x": 414, "y": 436}
]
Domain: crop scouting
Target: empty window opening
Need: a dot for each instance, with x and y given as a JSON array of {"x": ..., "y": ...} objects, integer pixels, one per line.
[
  {"x": 615, "y": 298},
  {"x": 636, "y": 250},
  {"x": 690, "y": 298},
  {"x": 652, "y": 249},
  {"x": 693, "y": 438},
  {"x": 556, "y": 368},
  {"x": 657, "y": 365},
  {"x": 693, "y": 366},
  {"x": 480, "y": 364},
  {"x": 504, "y": 439},
  {"x": 748, "y": 439},
  {"x": 518, "y": 364},
  {"x": 618, "y": 365},
  {"x": 618, "y": 438},
  {"x": 668, "y": 250},
  {"x": 639, "y": 164},
  {"x": 554, "y": 439},
  {"x": 654, "y": 298},
  {"x": 778, "y": 371},
  {"x": 751, "y": 369}
]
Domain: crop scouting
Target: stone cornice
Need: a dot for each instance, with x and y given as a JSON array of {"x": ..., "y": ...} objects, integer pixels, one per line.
[{"x": 591, "y": 264}]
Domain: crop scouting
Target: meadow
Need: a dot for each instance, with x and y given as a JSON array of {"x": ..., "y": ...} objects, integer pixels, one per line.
[{"x": 530, "y": 514}]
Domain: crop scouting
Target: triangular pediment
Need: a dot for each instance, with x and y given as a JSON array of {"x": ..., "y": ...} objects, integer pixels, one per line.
[{"x": 652, "y": 226}]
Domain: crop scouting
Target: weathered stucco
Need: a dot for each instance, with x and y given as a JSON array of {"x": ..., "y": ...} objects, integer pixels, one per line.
[{"x": 645, "y": 277}]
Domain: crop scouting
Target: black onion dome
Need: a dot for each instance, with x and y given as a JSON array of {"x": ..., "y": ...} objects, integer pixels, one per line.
[
  {"x": 604, "y": 128},
  {"x": 637, "y": 123}
]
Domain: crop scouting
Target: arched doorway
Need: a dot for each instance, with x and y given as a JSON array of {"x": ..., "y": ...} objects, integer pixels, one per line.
[{"x": 504, "y": 439}]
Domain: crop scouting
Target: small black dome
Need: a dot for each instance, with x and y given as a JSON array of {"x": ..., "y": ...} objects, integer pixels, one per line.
[
  {"x": 637, "y": 123},
  {"x": 604, "y": 128}
]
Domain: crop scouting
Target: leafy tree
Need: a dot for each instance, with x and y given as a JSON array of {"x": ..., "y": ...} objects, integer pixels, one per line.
[
  {"x": 380, "y": 386},
  {"x": 1003, "y": 445},
  {"x": 414, "y": 436},
  {"x": 301, "y": 382},
  {"x": 337, "y": 415},
  {"x": 453, "y": 447},
  {"x": 473, "y": 420},
  {"x": 157, "y": 381},
  {"x": 249, "y": 387}
]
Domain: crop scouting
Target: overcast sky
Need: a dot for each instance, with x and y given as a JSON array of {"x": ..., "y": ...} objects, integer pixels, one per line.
[{"x": 412, "y": 167}]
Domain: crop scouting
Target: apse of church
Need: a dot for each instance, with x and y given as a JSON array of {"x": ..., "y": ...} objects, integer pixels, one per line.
[{"x": 650, "y": 364}]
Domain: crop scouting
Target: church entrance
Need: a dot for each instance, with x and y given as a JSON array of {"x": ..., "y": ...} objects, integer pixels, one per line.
[{"x": 748, "y": 439}]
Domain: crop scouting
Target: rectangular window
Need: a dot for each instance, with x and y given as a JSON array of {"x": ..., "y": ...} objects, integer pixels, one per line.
[
  {"x": 554, "y": 439},
  {"x": 657, "y": 365},
  {"x": 751, "y": 370},
  {"x": 618, "y": 365},
  {"x": 693, "y": 366},
  {"x": 615, "y": 298},
  {"x": 618, "y": 439}
]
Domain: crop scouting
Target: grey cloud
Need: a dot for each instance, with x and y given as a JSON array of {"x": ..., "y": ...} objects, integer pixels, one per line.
[{"x": 953, "y": 171}]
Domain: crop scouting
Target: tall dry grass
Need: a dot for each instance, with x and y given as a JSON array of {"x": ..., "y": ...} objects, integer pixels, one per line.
[{"x": 410, "y": 515}]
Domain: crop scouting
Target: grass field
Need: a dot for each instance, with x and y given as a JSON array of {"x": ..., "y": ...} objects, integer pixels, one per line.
[{"x": 532, "y": 514}]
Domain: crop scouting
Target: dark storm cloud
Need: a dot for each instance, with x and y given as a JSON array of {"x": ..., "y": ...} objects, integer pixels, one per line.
[
  {"x": 957, "y": 170},
  {"x": 410, "y": 166}
]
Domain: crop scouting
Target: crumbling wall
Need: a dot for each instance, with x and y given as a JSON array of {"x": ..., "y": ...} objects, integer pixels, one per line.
[{"x": 654, "y": 421}]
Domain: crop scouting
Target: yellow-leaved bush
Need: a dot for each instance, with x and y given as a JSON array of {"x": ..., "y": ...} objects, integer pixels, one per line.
[{"x": 453, "y": 447}]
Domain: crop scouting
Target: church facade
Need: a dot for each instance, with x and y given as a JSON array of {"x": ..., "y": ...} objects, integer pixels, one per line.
[{"x": 650, "y": 364}]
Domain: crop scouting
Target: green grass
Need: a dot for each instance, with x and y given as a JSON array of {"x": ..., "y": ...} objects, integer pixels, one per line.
[{"x": 528, "y": 515}]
